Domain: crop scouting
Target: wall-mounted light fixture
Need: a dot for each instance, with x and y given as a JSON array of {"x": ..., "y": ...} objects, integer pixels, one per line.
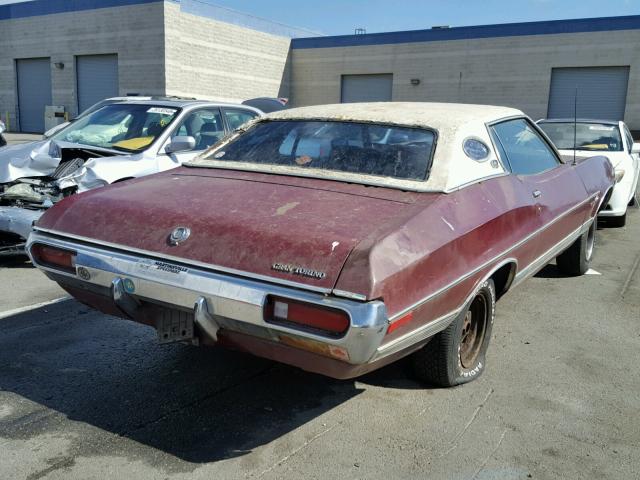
[
  {"x": 415, "y": 81},
  {"x": 59, "y": 65}
]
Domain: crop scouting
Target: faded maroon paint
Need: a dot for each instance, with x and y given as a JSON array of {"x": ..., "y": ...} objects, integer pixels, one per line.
[
  {"x": 462, "y": 231},
  {"x": 401, "y": 247},
  {"x": 238, "y": 221}
]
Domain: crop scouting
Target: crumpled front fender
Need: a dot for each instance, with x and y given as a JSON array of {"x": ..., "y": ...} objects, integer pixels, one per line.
[{"x": 26, "y": 160}]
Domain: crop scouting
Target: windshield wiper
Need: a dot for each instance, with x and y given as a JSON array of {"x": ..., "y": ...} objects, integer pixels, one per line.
[{"x": 124, "y": 149}]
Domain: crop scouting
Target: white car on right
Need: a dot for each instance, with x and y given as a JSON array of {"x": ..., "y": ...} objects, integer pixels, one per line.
[{"x": 601, "y": 137}]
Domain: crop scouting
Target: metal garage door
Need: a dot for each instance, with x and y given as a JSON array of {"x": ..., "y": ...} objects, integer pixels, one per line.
[
  {"x": 97, "y": 77},
  {"x": 602, "y": 92},
  {"x": 34, "y": 92},
  {"x": 366, "y": 88}
]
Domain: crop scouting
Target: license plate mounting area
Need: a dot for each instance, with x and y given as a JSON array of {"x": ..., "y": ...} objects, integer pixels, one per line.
[{"x": 174, "y": 326}]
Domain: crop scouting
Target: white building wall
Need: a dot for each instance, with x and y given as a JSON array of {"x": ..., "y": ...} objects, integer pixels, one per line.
[
  {"x": 210, "y": 59},
  {"x": 135, "y": 33},
  {"x": 512, "y": 71}
]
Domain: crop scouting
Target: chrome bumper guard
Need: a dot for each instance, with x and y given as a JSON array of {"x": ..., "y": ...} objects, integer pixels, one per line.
[{"x": 218, "y": 301}]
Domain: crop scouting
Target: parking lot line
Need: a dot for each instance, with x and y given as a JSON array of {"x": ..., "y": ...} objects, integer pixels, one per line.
[{"x": 16, "y": 311}]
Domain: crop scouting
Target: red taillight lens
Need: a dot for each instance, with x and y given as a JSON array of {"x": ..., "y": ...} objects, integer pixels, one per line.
[
  {"x": 54, "y": 257},
  {"x": 327, "y": 321}
]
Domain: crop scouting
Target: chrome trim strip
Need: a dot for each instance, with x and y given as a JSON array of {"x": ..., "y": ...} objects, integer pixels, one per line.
[
  {"x": 551, "y": 253},
  {"x": 350, "y": 295},
  {"x": 421, "y": 333},
  {"x": 462, "y": 278},
  {"x": 233, "y": 303},
  {"x": 439, "y": 324},
  {"x": 184, "y": 261}
]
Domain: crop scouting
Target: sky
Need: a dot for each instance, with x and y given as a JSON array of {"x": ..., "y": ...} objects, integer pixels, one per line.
[{"x": 341, "y": 17}]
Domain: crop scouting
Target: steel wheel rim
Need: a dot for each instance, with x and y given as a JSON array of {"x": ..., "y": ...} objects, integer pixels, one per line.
[{"x": 474, "y": 327}]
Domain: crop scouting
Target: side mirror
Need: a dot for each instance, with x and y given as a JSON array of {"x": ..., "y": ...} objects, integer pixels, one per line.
[
  {"x": 635, "y": 148},
  {"x": 180, "y": 144}
]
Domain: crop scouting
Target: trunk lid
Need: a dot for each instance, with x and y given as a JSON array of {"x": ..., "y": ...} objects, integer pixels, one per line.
[{"x": 294, "y": 229}]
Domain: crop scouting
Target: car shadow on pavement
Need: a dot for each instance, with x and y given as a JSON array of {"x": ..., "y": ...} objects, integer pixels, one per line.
[
  {"x": 21, "y": 261},
  {"x": 550, "y": 271},
  {"x": 197, "y": 404}
]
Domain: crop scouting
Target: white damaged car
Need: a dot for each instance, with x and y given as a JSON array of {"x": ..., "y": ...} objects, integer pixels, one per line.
[
  {"x": 600, "y": 137},
  {"x": 118, "y": 142}
]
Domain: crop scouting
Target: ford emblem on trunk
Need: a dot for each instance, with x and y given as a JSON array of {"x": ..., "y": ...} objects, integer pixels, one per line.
[{"x": 179, "y": 235}]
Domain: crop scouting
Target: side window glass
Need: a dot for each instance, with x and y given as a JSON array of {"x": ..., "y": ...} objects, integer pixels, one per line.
[
  {"x": 236, "y": 117},
  {"x": 524, "y": 148},
  {"x": 204, "y": 125}
]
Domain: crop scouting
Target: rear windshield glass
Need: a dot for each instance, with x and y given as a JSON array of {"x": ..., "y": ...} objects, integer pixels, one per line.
[
  {"x": 588, "y": 136},
  {"x": 367, "y": 149}
]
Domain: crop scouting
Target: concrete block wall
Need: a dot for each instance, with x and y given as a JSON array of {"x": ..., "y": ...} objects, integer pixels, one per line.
[
  {"x": 210, "y": 59},
  {"x": 135, "y": 33},
  {"x": 513, "y": 71}
]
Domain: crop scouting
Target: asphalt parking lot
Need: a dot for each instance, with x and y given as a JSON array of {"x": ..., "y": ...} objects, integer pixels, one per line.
[{"x": 88, "y": 396}]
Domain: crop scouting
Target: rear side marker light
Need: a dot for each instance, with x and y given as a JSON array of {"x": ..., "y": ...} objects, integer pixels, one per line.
[
  {"x": 54, "y": 257},
  {"x": 401, "y": 322},
  {"x": 323, "y": 320}
]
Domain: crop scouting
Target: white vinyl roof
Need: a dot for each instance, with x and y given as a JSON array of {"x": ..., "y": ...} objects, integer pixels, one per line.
[{"x": 454, "y": 123}]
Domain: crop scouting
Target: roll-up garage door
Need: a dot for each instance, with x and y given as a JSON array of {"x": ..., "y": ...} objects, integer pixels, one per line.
[
  {"x": 602, "y": 92},
  {"x": 34, "y": 92},
  {"x": 367, "y": 88},
  {"x": 97, "y": 77}
]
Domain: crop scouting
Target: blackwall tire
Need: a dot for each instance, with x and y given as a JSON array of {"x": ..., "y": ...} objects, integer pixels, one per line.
[
  {"x": 457, "y": 354},
  {"x": 576, "y": 259},
  {"x": 617, "y": 222}
]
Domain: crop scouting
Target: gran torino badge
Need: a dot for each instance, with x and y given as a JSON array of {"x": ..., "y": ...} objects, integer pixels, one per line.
[{"x": 297, "y": 270}]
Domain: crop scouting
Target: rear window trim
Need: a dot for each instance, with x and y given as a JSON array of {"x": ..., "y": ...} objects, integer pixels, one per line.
[{"x": 348, "y": 177}]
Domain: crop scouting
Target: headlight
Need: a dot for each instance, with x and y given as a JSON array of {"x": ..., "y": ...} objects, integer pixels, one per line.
[{"x": 619, "y": 174}]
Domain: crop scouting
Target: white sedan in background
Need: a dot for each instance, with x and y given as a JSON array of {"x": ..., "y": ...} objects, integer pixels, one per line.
[
  {"x": 116, "y": 142},
  {"x": 600, "y": 137}
]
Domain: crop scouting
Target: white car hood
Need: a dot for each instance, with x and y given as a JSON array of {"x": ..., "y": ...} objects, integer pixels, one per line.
[
  {"x": 614, "y": 157},
  {"x": 26, "y": 160},
  {"x": 33, "y": 160}
]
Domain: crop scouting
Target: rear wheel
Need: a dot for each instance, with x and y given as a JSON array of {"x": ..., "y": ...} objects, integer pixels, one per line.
[
  {"x": 457, "y": 354},
  {"x": 576, "y": 259}
]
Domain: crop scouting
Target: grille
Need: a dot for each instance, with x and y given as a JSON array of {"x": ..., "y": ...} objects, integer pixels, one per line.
[{"x": 68, "y": 167}]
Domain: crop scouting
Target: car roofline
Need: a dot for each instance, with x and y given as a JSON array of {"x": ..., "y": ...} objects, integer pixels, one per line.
[{"x": 579, "y": 120}]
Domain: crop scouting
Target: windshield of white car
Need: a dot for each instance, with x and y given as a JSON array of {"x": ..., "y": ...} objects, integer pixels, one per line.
[
  {"x": 361, "y": 148},
  {"x": 588, "y": 136},
  {"x": 128, "y": 127}
]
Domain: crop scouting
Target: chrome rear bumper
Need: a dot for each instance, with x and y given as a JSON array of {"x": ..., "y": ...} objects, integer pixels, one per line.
[{"x": 218, "y": 301}]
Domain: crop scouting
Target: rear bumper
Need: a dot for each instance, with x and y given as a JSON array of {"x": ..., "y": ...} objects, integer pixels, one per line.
[
  {"x": 226, "y": 309},
  {"x": 15, "y": 225}
]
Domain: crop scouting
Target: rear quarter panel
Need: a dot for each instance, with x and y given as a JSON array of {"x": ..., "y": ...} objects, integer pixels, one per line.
[
  {"x": 445, "y": 251},
  {"x": 597, "y": 175}
]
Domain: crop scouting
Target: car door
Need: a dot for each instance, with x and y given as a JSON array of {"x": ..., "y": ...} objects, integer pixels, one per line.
[
  {"x": 205, "y": 125},
  {"x": 555, "y": 187}
]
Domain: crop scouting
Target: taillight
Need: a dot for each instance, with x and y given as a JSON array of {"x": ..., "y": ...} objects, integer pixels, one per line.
[
  {"x": 323, "y": 320},
  {"x": 54, "y": 257}
]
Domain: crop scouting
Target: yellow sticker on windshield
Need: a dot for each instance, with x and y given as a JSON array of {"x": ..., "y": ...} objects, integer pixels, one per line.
[
  {"x": 134, "y": 143},
  {"x": 597, "y": 146}
]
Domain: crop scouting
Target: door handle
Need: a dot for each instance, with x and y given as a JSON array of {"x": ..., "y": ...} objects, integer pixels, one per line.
[{"x": 536, "y": 193}]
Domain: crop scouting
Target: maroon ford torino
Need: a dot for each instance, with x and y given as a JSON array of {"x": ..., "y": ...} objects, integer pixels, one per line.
[{"x": 336, "y": 238}]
